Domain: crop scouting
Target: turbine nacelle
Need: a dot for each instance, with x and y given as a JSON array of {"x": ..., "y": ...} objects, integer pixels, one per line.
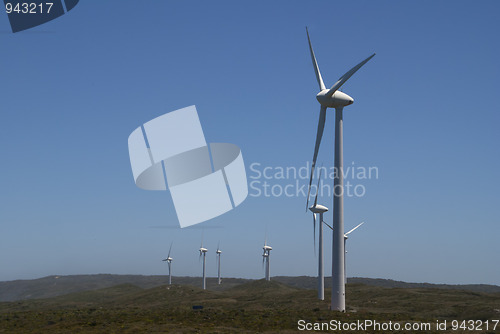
[
  {"x": 267, "y": 248},
  {"x": 203, "y": 250},
  {"x": 218, "y": 251},
  {"x": 337, "y": 100},
  {"x": 317, "y": 208}
]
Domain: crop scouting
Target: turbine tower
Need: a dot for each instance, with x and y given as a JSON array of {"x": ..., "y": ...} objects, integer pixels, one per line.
[
  {"x": 203, "y": 252},
  {"x": 218, "y": 252},
  {"x": 319, "y": 209},
  {"x": 333, "y": 98},
  {"x": 266, "y": 256},
  {"x": 346, "y": 236},
  {"x": 169, "y": 263},
  {"x": 264, "y": 264}
]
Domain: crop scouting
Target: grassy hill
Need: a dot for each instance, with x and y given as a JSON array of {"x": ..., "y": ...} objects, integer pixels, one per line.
[
  {"x": 247, "y": 307},
  {"x": 53, "y": 286},
  {"x": 308, "y": 282}
]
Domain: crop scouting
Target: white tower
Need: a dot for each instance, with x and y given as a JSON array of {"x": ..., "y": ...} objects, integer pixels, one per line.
[
  {"x": 266, "y": 257},
  {"x": 218, "y": 253},
  {"x": 320, "y": 209},
  {"x": 203, "y": 252}
]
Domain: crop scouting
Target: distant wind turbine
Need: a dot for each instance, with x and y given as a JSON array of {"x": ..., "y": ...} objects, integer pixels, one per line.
[
  {"x": 169, "y": 263},
  {"x": 319, "y": 209},
  {"x": 345, "y": 239},
  {"x": 266, "y": 256},
  {"x": 333, "y": 98},
  {"x": 218, "y": 253},
  {"x": 346, "y": 236},
  {"x": 203, "y": 252}
]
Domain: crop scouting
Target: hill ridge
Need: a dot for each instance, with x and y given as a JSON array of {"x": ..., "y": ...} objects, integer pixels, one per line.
[{"x": 57, "y": 285}]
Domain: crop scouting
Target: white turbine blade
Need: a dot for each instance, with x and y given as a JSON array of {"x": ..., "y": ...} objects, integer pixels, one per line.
[
  {"x": 317, "y": 188},
  {"x": 315, "y": 64},
  {"x": 355, "y": 228},
  {"x": 346, "y": 76},
  {"x": 314, "y": 232},
  {"x": 319, "y": 135},
  {"x": 324, "y": 222},
  {"x": 170, "y": 249}
]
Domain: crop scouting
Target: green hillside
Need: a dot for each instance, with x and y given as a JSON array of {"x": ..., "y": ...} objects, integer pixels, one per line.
[
  {"x": 52, "y": 286},
  {"x": 250, "y": 307}
]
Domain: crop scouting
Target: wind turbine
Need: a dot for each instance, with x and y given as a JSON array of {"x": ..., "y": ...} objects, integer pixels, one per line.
[
  {"x": 346, "y": 236},
  {"x": 203, "y": 252},
  {"x": 333, "y": 98},
  {"x": 266, "y": 256},
  {"x": 218, "y": 252},
  {"x": 169, "y": 263},
  {"x": 319, "y": 209}
]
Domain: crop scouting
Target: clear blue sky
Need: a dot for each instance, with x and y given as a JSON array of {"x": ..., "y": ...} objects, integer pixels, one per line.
[{"x": 426, "y": 115}]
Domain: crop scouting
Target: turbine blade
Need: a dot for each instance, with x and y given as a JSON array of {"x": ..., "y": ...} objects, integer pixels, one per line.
[
  {"x": 314, "y": 232},
  {"x": 170, "y": 249},
  {"x": 315, "y": 64},
  {"x": 346, "y": 76},
  {"x": 202, "y": 234},
  {"x": 324, "y": 222},
  {"x": 319, "y": 135},
  {"x": 355, "y": 228},
  {"x": 317, "y": 188}
]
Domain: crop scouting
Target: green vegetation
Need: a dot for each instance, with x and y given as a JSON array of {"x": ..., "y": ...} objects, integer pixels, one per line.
[{"x": 255, "y": 306}]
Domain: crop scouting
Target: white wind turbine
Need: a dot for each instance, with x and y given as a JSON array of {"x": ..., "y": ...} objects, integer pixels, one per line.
[
  {"x": 203, "y": 252},
  {"x": 169, "y": 263},
  {"x": 346, "y": 236},
  {"x": 266, "y": 256},
  {"x": 319, "y": 209},
  {"x": 333, "y": 98},
  {"x": 218, "y": 253}
]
